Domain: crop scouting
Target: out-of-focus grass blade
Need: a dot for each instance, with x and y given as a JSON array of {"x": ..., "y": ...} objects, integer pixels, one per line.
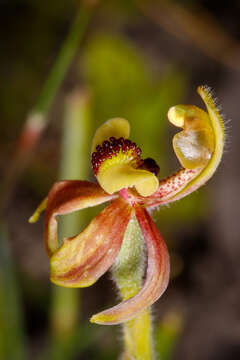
[
  {"x": 66, "y": 307},
  {"x": 12, "y": 339},
  {"x": 37, "y": 120}
]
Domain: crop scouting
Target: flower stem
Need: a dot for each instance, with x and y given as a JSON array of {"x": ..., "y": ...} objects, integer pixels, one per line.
[
  {"x": 128, "y": 273},
  {"x": 137, "y": 337}
]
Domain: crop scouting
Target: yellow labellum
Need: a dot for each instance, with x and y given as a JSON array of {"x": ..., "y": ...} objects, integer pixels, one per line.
[{"x": 122, "y": 176}]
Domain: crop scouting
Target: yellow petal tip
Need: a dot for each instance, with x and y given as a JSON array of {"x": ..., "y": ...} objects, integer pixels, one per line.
[
  {"x": 35, "y": 216},
  {"x": 175, "y": 116},
  {"x": 93, "y": 319},
  {"x": 102, "y": 319},
  {"x": 71, "y": 283}
]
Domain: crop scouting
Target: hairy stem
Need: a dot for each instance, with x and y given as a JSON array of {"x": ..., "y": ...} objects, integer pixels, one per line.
[{"x": 128, "y": 273}]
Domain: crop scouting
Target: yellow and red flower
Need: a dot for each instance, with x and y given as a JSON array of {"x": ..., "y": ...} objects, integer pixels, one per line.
[{"x": 132, "y": 187}]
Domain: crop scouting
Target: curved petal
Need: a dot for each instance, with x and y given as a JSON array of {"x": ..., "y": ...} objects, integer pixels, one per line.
[
  {"x": 207, "y": 148},
  {"x": 169, "y": 189},
  {"x": 66, "y": 197},
  {"x": 41, "y": 207},
  {"x": 116, "y": 127},
  {"x": 194, "y": 145},
  {"x": 157, "y": 277},
  {"x": 81, "y": 260}
]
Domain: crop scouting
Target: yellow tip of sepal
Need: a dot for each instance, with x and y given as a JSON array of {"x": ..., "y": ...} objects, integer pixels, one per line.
[
  {"x": 217, "y": 126},
  {"x": 102, "y": 319},
  {"x": 34, "y": 218}
]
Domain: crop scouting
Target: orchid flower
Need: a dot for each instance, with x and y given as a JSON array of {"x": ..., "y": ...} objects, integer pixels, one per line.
[{"x": 132, "y": 187}]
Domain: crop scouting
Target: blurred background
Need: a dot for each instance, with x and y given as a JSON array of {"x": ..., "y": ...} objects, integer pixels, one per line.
[{"x": 65, "y": 68}]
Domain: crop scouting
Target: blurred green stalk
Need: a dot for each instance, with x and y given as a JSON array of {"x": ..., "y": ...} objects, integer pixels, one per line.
[
  {"x": 167, "y": 334},
  {"x": 37, "y": 120},
  {"x": 11, "y": 329},
  {"x": 63, "y": 61},
  {"x": 12, "y": 339},
  {"x": 65, "y": 305}
]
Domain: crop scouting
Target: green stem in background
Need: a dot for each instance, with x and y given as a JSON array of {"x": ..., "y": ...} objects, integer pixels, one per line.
[
  {"x": 167, "y": 334},
  {"x": 12, "y": 339},
  {"x": 64, "y": 59},
  {"x": 64, "y": 314},
  {"x": 128, "y": 272},
  {"x": 37, "y": 119},
  {"x": 36, "y": 122}
]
